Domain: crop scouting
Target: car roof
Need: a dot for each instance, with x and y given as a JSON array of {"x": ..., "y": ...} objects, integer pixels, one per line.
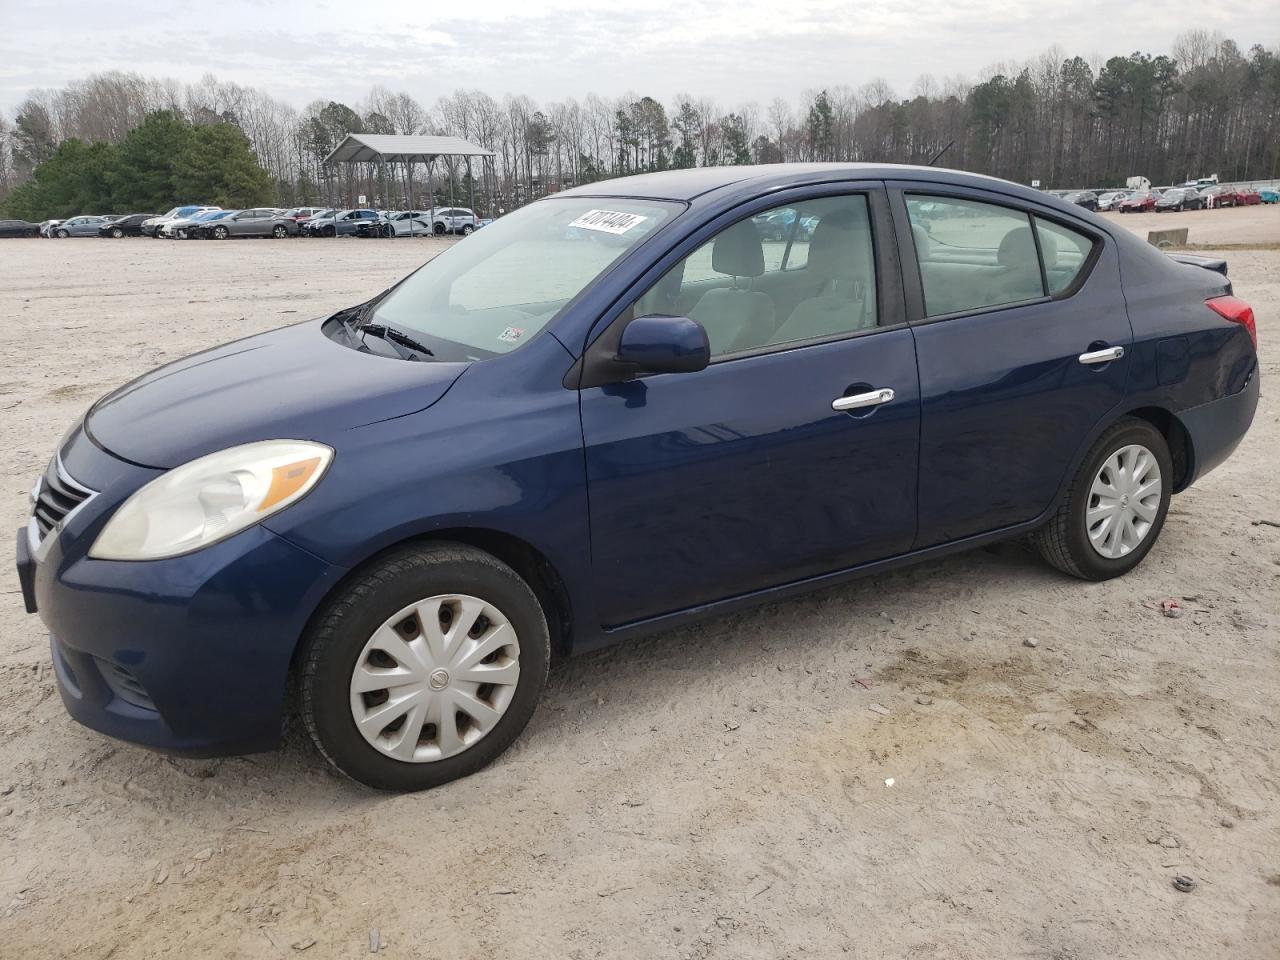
[{"x": 687, "y": 185}]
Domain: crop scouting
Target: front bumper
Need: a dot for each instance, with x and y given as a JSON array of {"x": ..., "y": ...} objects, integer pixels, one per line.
[{"x": 189, "y": 654}]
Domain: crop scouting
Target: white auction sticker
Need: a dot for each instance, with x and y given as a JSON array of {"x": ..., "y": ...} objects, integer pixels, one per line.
[{"x": 608, "y": 221}]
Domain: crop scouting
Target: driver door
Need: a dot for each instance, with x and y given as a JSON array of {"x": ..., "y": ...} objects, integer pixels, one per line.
[{"x": 794, "y": 453}]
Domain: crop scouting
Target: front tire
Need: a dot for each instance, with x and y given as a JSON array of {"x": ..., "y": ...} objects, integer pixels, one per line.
[
  {"x": 425, "y": 668},
  {"x": 117, "y": 232},
  {"x": 1116, "y": 506},
  {"x": 220, "y": 233},
  {"x": 62, "y": 234}
]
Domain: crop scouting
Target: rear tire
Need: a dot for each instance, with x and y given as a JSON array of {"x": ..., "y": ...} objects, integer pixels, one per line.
[
  {"x": 1075, "y": 541},
  {"x": 279, "y": 231},
  {"x": 348, "y": 643},
  {"x": 467, "y": 229}
]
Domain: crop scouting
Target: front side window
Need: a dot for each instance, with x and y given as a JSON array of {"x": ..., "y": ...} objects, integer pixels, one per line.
[
  {"x": 496, "y": 291},
  {"x": 972, "y": 254},
  {"x": 800, "y": 272}
]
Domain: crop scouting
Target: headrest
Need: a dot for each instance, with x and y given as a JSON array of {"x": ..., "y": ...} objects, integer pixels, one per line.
[
  {"x": 839, "y": 246},
  {"x": 738, "y": 251},
  {"x": 1048, "y": 249},
  {"x": 1018, "y": 250},
  {"x": 924, "y": 242}
]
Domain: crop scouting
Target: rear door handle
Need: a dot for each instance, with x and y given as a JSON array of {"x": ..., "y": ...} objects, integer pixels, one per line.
[
  {"x": 858, "y": 400},
  {"x": 1102, "y": 356}
]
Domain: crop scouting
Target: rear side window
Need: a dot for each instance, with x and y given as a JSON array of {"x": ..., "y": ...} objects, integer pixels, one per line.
[
  {"x": 1065, "y": 252},
  {"x": 972, "y": 254}
]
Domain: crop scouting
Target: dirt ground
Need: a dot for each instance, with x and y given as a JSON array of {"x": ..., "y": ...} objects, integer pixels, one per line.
[{"x": 885, "y": 769}]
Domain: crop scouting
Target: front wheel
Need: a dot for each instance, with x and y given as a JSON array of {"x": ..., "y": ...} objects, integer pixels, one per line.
[
  {"x": 117, "y": 232},
  {"x": 62, "y": 234},
  {"x": 1116, "y": 505},
  {"x": 219, "y": 233},
  {"x": 425, "y": 668}
]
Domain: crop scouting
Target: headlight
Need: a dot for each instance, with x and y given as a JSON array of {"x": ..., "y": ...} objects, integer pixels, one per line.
[{"x": 207, "y": 500}]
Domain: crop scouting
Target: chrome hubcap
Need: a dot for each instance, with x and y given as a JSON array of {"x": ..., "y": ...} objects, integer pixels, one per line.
[
  {"x": 1123, "y": 501},
  {"x": 435, "y": 678}
]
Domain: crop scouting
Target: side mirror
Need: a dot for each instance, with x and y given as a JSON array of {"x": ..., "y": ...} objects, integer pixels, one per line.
[{"x": 662, "y": 344}]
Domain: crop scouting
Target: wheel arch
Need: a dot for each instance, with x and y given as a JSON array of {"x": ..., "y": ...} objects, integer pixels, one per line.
[
  {"x": 524, "y": 558},
  {"x": 1176, "y": 436}
]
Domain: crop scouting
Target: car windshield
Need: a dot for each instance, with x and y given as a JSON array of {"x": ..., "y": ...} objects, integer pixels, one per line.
[{"x": 498, "y": 288}]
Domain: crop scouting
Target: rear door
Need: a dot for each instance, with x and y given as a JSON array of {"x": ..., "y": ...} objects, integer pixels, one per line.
[
  {"x": 794, "y": 453},
  {"x": 1023, "y": 344}
]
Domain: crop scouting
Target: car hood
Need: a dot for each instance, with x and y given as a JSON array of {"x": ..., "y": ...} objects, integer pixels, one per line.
[{"x": 293, "y": 383}]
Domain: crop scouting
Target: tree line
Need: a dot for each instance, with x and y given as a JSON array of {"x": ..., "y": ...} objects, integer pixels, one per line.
[{"x": 119, "y": 141}]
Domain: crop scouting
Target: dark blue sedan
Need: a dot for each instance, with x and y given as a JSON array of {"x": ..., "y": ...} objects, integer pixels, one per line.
[{"x": 614, "y": 410}]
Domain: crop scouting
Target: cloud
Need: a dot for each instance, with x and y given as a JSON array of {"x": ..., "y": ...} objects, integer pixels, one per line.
[{"x": 732, "y": 51}]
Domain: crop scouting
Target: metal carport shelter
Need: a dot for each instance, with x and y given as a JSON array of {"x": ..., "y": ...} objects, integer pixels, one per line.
[{"x": 408, "y": 151}]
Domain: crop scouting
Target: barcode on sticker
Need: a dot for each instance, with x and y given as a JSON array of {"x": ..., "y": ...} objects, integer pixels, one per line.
[{"x": 608, "y": 221}]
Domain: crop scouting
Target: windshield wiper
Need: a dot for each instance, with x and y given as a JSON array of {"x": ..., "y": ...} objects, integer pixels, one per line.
[{"x": 392, "y": 335}]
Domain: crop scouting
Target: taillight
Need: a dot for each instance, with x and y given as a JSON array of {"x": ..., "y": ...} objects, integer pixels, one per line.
[{"x": 1237, "y": 311}]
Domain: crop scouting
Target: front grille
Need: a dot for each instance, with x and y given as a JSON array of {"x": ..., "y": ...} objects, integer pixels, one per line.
[{"x": 55, "y": 497}]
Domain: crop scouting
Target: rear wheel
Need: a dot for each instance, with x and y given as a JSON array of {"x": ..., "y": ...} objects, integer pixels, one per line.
[
  {"x": 279, "y": 231},
  {"x": 438, "y": 229},
  {"x": 1116, "y": 505},
  {"x": 467, "y": 229},
  {"x": 425, "y": 668}
]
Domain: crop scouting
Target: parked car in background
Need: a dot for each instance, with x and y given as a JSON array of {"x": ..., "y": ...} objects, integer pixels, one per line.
[
  {"x": 130, "y": 225},
  {"x": 1107, "y": 201},
  {"x": 298, "y": 214},
  {"x": 1268, "y": 195},
  {"x": 83, "y": 226},
  {"x": 314, "y": 226},
  {"x": 255, "y": 222},
  {"x": 180, "y": 227},
  {"x": 410, "y": 223},
  {"x": 48, "y": 226},
  {"x": 392, "y": 516},
  {"x": 152, "y": 227},
  {"x": 1246, "y": 196},
  {"x": 1083, "y": 198},
  {"x": 1179, "y": 198},
  {"x": 454, "y": 220},
  {"x": 1142, "y": 201},
  {"x": 342, "y": 223},
  {"x": 1219, "y": 196},
  {"x": 19, "y": 228}
]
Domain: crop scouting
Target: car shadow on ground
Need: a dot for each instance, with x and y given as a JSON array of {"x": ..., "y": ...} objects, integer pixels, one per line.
[{"x": 591, "y": 694}]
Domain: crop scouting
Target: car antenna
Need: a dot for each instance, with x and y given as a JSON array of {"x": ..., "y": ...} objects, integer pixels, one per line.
[{"x": 940, "y": 153}]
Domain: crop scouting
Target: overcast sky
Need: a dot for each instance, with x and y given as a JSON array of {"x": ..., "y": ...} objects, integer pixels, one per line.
[{"x": 732, "y": 50}]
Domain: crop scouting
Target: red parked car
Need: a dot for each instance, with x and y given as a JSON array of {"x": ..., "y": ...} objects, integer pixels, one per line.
[
  {"x": 1141, "y": 202},
  {"x": 1221, "y": 197},
  {"x": 1246, "y": 196}
]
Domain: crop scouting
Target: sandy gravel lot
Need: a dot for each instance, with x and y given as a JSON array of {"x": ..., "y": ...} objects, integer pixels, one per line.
[{"x": 720, "y": 792}]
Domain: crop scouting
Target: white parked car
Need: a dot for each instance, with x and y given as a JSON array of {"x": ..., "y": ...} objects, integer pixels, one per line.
[
  {"x": 410, "y": 223},
  {"x": 454, "y": 220}
]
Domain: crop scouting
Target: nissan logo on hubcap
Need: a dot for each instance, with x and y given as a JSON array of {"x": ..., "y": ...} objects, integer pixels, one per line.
[{"x": 439, "y": 679}]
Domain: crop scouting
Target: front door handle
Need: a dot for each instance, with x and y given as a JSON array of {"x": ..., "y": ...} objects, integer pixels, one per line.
[
  {"x": 1102, "y": 356},
  {"x": 858, "y": 400}
]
